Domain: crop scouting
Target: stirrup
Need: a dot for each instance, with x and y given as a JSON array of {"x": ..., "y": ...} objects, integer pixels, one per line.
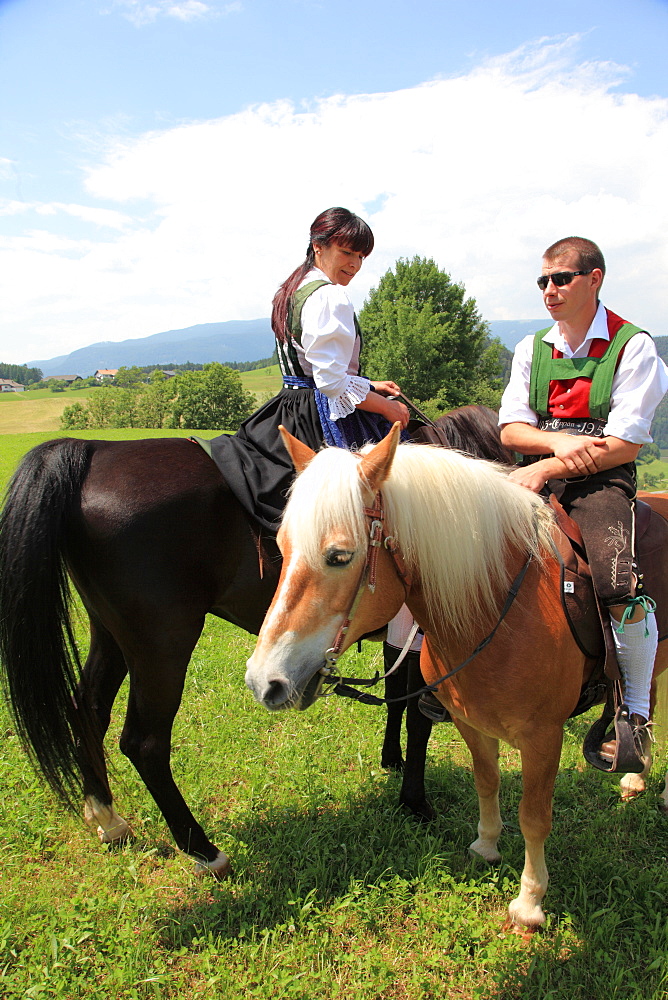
[
  {"x": 432, "y": 709},
  {"x": 629, "y": 756}
]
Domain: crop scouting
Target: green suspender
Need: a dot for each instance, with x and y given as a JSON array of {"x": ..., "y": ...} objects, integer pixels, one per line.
[
  {"x": 297, "y": 304},
  {"x": 601, "y": 371}
]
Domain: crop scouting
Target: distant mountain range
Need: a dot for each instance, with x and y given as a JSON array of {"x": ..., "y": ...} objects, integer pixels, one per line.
[
  {"x": 234, "y": 340},
  {"x": 511, "y": 331}
]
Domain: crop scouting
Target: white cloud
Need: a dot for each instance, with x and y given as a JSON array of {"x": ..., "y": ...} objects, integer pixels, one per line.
[
  {"x": 103, "y": 217},
  {"x": 481, "y": 172},
  {"x": 141, "y": 12}
]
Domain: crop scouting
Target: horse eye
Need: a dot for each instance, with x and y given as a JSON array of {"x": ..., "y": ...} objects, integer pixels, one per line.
[{"x": 339, "y": 557}]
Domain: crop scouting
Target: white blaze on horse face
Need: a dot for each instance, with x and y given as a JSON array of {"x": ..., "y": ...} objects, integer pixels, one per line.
[{"x": 301, "y": 624}]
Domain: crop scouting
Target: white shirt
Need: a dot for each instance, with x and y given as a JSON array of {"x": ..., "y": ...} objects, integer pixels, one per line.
[
  {"x": 398, "y": 629},
  {"x": 640, "y": 382},
  {"x": 330, "y": 348}
]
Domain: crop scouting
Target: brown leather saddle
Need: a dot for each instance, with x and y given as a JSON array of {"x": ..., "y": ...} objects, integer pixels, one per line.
[{"x": 591, "y": 628}]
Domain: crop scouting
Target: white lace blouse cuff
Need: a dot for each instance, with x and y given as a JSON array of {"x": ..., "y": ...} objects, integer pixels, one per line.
[{"x": 355, "y": 392}]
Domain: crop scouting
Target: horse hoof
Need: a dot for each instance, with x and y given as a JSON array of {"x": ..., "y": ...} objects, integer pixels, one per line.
[
  {"x": 485, "y": 852},
  {"x": 421, "y": 811},
  {"x": 110, "y": 827},
  {"x": 220, "y": 867},
  {"x": 525, "y": 933},
  {"x": 393, "y": 765},
  {"x": 117, "y": 836}
]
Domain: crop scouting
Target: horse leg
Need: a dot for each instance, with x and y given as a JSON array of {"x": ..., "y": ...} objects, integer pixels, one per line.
[
  {"x": 485, "y": 755},
  {"x": 396, "y": 686},
  {"x": 156, "y": 686},
  {"x": 101, "y": 679},
  {"x": 540, "y": 763},
  {"x": 418, "y": 730}
]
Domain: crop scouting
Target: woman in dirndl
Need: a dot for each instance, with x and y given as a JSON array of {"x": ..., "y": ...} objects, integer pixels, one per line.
[{"x": 324, "y": 399}]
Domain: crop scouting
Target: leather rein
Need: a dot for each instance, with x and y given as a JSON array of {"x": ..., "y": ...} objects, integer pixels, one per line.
[{"x": 378, "y": 536}]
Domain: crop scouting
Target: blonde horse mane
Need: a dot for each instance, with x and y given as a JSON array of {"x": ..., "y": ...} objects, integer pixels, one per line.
[{"x": 455, "y": 518}]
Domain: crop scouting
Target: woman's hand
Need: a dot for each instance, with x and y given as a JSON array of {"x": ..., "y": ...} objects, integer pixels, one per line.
[
  {"x": 386, "y": 388},
  {"x": 391, "y": 409},
  {"x": 396, "y": 411}
]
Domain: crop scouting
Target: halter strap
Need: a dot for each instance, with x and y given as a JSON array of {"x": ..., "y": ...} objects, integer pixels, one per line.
[
  {"x": 367, "y": 578},
  {"x": 343, "y": 684}
]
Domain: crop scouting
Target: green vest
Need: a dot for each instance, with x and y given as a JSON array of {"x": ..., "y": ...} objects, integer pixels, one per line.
[
  {"x": 297, "y": 304},
  {"x": 601, "y": 371}
]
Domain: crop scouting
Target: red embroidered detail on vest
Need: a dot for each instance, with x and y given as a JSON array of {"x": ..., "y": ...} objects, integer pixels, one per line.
[{"x": 569, "y": 398}]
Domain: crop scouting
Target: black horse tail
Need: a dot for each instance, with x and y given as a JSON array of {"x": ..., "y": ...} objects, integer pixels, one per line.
[{"x": 38, "y": 652}]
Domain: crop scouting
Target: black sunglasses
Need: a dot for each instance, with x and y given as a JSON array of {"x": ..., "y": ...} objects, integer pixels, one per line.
[{"x": 559, "y": 279}]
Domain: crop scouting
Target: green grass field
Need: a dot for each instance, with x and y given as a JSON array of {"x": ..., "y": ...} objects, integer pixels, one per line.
[
  {"x": 262, "y": 381},
  {"x": 654, "y": 475},
  {"x": 335, "y": 893},
  {"x": 28, "y": 412}
]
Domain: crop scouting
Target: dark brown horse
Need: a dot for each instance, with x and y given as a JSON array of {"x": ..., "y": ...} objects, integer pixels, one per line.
[{"x": 153, "y": 540}]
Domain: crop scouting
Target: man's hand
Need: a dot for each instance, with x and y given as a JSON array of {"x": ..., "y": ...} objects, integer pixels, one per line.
[
  {"x": 580, "y": 453},
  {"x": 532, "y": 476}
]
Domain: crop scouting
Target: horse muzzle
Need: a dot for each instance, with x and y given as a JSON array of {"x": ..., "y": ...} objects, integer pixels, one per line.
[{"x": 276, "y": 691}]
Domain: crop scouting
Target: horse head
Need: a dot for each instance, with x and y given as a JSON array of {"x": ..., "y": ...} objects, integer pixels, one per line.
[{"x": 331, "y": 591}]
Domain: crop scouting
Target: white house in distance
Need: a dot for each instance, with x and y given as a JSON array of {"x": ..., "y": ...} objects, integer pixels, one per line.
[
  {"x": 106, "y": 374},
  {"x": 9, "y": 385}
]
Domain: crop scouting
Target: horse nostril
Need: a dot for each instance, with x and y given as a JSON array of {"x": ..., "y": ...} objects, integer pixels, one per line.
[{"x": 276, "y": 694}]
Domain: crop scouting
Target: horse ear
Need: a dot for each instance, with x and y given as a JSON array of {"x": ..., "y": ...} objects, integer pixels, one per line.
[
  {"x": 299, "y": 452},
  {"x": 376, "y": 464}
]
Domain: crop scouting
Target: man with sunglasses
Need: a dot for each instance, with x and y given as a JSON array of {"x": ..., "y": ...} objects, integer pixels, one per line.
[{"x": 579, "y": 405}]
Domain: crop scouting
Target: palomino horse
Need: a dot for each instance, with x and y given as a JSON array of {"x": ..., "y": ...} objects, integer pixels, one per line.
[
  {"x": 457, "y": 532},
  {"x": 153, "y": 540}
]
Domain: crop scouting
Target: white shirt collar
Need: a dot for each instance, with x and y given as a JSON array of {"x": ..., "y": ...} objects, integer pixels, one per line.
[{"x": 597, "y": 331}]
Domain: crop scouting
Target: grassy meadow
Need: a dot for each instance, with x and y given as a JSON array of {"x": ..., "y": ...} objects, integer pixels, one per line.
[
  {"x": 38, "y": 411},
  {"x": 335, "y": 892},
  {"x": 262, "y": 381}
]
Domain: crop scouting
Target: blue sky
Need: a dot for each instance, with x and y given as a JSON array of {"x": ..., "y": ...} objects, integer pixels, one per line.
[{"x": 161, "y": 160}]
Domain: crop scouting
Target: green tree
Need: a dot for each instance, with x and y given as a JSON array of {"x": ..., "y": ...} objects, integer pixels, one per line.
[
  {"x": 154, "y": 402},
  {"x": 421, "y": 331},
  {"x": 102, "y": 407},
  {"x": 127, "y": 377},
  {"x": 211, "y": 399},
  {"x": 648, "y": 453},
  {"x": 20, "y": 373},
  {"x": 75, "y": 417}
]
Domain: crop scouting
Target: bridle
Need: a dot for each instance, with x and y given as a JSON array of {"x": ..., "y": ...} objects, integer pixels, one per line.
[{"x": 378, "y": 537}]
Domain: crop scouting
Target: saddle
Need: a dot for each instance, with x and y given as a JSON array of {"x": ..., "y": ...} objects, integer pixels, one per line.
[{"x": 592, "y": 631}]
